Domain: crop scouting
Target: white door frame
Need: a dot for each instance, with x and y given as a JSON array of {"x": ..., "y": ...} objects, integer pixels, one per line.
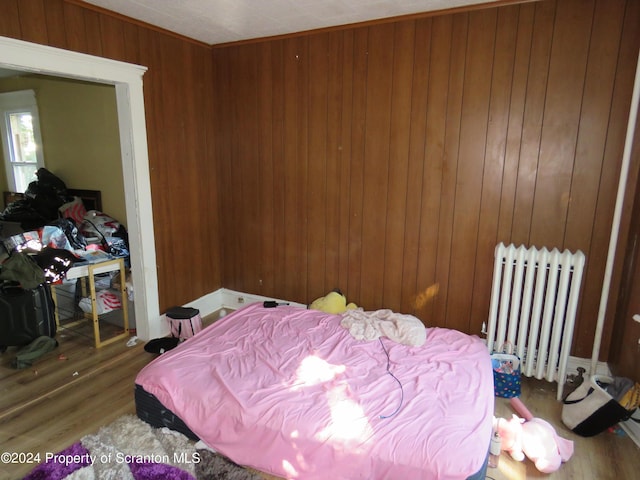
[{"x": 127, "y": 79}]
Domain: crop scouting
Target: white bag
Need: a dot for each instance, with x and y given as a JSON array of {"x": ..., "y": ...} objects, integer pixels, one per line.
[
  {"x": 106, "y": 301},
  {"x": 590, "y": 410}
]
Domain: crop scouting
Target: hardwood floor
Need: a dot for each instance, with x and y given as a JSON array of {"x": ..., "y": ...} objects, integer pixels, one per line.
[
  {"x": 53, "y": 404},
  {"x": 609, "y": 455},
  {"x": 70, "y": 392}
]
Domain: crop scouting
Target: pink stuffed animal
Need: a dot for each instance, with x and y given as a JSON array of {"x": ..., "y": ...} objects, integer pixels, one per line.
[
  {"x": 510, "y": 432},
  {"x": 540, "y": 442}
]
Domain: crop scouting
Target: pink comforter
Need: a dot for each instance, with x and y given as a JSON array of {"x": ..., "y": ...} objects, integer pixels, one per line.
[{"x": 290, "y": 392}]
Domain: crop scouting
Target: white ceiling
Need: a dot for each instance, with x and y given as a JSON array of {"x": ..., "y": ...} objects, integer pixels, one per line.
[{"x": 222, "y": 21}]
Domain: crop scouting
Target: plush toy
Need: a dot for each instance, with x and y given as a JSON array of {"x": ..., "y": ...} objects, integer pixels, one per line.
[
  {"x": 334, "y": 302},
  {"x": 540, "y": 442},
  {"x": 510, "y": 432}
]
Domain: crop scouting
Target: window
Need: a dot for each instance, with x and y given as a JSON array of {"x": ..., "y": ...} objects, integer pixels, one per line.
[{"x": 21, "y": 142}]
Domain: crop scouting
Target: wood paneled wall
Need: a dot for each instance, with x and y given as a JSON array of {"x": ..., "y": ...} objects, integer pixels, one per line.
[
  {"x": 178, "y": 101},
  {"x": 385, "y": 160},
  {"x": 388, "y": 160}
]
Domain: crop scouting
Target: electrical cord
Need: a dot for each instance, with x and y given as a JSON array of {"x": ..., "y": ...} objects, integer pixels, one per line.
[{"x": 396, "y": 379}]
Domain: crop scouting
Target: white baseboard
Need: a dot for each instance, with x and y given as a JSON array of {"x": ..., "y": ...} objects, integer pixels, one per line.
[
  {"x": 602, "y": 368},
  {"x": 221, "y": 298},
  {"x": 230, "y": 299}
]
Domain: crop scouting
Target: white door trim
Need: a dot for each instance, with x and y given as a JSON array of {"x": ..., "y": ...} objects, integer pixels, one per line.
[{"x": 127, "y": 79}]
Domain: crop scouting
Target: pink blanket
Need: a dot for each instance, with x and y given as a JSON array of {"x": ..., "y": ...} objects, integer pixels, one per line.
[{"x": 290, "y": 392}]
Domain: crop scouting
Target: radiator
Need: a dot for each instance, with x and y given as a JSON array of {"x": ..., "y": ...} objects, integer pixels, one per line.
[{"x": 534, "y": 298}]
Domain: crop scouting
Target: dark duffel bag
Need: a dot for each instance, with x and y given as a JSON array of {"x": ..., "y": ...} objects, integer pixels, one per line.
[{"x": 25, "y": 314}]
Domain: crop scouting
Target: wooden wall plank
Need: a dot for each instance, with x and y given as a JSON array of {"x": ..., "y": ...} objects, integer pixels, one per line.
[
  {"x": 357, "y": 162},
  {"x": 191, "y": 171},
  {"x": 280, "y": 172},
  {"x": 93, "y": 33},
  {"x": 294, "y": 274},
  {"x": 376, "y": 162},
  {"x": 243, "y": 181},
  {"x": 346, "y": 86},
  {"x": 289, "y": 82},
  {"x": 415, "y": 164},
  {"x": 203, "y": 100},
  {"x": 224, "y": 163},
  {"x": 301, "y": 216},
  {"x": 401, "y": 96},
  {"x": 334, "y": 200},
  {"x": 317, "y": 181},
  {"x": 172, "y": 159},
  {"x": 560, "y": 124},
  {"x": 536, "y": 86},
  {"x": 518, "y": 91},
  {"x": 495, "y": 161},
  {"x": 33, "y": 21},
  {"x": 267, "y": 182},
  {"x": 131, "y": 41},
  {"x": 54, "y": 13},
  {"x": 10, "y": 19},
  {"x": 450, "y": 165},
  {"x": 476, "y": 97},
  {"x": 113, "y": 29},
  {"x": 75, "y": 28},
  {"x": 429, "y": 285}
]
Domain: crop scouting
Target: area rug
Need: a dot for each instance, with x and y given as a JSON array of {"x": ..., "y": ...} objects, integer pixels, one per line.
[{"x": 130, "y": 449}]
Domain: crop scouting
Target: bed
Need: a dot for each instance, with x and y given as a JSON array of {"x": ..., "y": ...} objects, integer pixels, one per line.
[{"x": 290, "y": 392}]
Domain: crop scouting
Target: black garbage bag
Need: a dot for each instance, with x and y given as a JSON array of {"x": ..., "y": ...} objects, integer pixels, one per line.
[
  {"x": 22, "y": 211},
  {"x": 48, "y": 184},
  {"x": 47, "y": 194},
  {"x": 43, "y": 198}
]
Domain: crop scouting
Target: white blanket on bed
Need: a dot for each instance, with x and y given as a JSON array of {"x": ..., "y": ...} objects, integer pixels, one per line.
[{"x": 401, "y": 328}]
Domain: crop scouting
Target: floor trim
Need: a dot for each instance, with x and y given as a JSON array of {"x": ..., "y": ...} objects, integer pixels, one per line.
[{"x": 224, "y": 298}]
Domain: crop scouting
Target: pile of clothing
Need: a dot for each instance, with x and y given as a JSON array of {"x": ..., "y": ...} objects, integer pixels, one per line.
[{"x": 51, "y": 230}]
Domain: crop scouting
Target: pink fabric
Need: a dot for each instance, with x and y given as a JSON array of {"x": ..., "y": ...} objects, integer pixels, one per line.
[{"x": 290, "y": 392}]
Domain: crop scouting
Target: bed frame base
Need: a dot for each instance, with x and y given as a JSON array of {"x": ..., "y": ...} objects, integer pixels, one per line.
[{"x": 150, "y": 410}]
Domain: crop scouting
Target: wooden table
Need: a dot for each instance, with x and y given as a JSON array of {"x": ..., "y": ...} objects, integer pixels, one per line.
[{"x": 88, "y": 272}]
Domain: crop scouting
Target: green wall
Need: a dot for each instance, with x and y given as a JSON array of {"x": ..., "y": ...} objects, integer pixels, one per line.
[{"x": 79, "y": 127}]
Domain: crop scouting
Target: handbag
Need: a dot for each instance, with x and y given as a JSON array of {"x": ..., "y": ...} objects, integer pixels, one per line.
[
  {"x": 590, "y": 409},
  {"x": 506, "y": 374}
]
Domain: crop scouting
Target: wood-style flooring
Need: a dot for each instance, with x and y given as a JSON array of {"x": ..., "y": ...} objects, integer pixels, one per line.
[
  {"x": 53, "y": 404},
  {"x": 609, "y": 455},
  {"x": 68, "y": 393}
]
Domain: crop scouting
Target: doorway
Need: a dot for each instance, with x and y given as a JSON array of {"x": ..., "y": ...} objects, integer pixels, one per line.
[{"x": 127, "y": 80}]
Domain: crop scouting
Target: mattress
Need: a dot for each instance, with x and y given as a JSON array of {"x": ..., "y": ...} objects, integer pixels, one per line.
[{"x": 288, "y": 391}]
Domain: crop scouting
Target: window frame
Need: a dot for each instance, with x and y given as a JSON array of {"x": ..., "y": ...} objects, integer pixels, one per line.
[{"x": 18, "y": 102}]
